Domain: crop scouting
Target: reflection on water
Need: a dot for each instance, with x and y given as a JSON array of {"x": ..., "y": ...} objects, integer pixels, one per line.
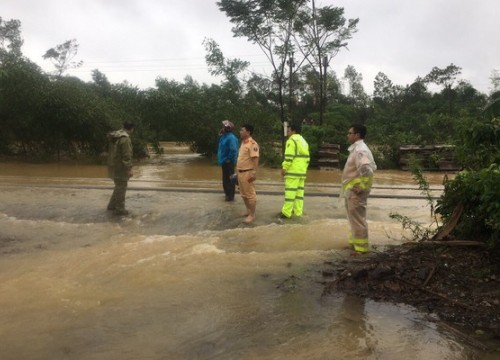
[{"x": 183, "y": 279}]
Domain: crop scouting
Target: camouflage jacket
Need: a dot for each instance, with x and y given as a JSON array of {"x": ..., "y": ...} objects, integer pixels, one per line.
[{"x": 119, "y": 154}]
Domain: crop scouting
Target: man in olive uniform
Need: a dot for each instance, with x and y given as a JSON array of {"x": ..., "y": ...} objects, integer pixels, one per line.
[
  {"x": 120, "y": 166},
  {"x": 294, "y": 169}
]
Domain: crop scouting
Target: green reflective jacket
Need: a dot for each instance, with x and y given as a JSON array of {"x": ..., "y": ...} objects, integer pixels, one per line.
[{"x": 296, "y": 159}]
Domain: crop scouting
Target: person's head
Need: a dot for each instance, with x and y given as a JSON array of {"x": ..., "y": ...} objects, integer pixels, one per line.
[
  {"x": 128, "y": 126},
  {"x": 227, "y": 126},
  {"x": 294, "y": 128},
  {"x": 356, "y": 132},
  {"x": 246, "y": 131}
]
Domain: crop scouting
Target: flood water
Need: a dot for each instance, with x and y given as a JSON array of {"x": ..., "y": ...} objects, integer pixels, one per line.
[{"x": 182, "y": 278}]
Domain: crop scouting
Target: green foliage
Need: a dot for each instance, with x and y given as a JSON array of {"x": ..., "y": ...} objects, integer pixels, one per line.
[
  {"x": 423, "y": 184},
  {"x": 62, "y": 55},
  {"x": 478, "y": 143},
  {"x": 419, "y": 231},
  {"x": 478, "y": 192},
  {"x": 315, "y": 136},
  {"x": 10, "y": 40},
  {"x": 476, "y": 188}
]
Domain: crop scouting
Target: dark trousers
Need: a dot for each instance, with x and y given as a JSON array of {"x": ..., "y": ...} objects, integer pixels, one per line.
[{"x": 229, "y": 188}]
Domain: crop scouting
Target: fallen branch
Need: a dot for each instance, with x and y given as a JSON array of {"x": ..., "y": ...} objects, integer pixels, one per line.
[
  {"x": 446, "y": 230},
  {"x": 429, "y": 277}
]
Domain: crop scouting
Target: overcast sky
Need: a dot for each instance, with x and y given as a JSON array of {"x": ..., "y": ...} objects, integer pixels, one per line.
[{"x": 139, "y": 40}]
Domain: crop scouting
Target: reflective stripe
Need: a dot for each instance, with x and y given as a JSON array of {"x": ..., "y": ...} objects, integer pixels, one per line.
[
  {"x": 294, "y": 197},
  {"x": 295, "y": 174},
  {"x": 296, "y": 157},
  {"x": 359, "y": 244},
  {"x": 365, "y": 182}
]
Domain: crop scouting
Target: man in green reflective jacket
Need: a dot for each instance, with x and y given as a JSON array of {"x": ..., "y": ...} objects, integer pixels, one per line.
[
  {"x": 294, "y": 170},
  {"x": 120, "y": 166}
]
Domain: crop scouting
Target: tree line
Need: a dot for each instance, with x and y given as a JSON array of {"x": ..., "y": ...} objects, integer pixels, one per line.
[{"x": 51, "y": 114}]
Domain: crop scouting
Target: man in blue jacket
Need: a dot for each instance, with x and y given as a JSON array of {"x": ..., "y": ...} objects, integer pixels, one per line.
[{"x": 227, "y": 154}]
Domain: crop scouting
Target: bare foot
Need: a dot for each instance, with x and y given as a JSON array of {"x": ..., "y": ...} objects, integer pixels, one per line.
[
  {"x": 244, "y": 215},
  {"x": 248, "y": 219}
]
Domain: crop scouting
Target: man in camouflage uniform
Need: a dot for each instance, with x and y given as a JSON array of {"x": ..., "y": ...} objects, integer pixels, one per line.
[{"x": 120, "y": 166}]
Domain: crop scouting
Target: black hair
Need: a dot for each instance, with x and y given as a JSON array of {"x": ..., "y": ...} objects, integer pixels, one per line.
[
  {"x": 359, "y": 129},
  {"x": 128, "y": 125},
  {"x": 295, "y": 127},
  {"x": 249, "y": 128}
]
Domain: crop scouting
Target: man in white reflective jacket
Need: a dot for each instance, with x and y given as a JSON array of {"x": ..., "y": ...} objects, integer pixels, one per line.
[{"x": 356, "y": 185}]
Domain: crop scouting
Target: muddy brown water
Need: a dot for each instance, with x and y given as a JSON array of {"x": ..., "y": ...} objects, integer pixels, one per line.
[{"x": 182, "y": 278}]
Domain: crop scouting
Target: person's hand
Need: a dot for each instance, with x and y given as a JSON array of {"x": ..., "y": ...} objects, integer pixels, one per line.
[
  {"x": 357, "y": 189},
  {"x": 252, "y": 178},
  {"x": 283, "y": 172},
  {"x": 228, "y": 161},
  {"x": 130, "y": 173}
]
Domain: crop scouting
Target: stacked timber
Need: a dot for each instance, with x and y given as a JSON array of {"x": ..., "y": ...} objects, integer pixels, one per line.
[
  {"x": 431, "y": 157},
  {"x": 328, "y": 156}
]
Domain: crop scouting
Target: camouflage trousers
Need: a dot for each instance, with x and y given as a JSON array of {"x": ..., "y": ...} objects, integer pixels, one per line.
[{"x": 117, "y": 201}]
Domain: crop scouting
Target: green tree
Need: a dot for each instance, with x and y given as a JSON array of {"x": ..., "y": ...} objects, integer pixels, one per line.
[
  {"x": 229, "y": 68},
  {"x": 320, "y": 34},
  {"x": 62, "y": 55},
  {"x": 495, "y": 80},
  {"x": 445, "y": 77},
  {"x": 269, "y": 24},
  {"x": 23, "y": 87},
  {"x": 10, "y": 40},
  {"x": 383, "y": 88}
]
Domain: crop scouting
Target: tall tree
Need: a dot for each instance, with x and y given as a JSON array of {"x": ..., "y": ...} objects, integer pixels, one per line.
[
  {"x": 445, "y": 77},
  {"x": 10, "y": 40},
  {"x": 383, "y": 88},
  {"x": 321, "y": 34},
  {"x": 269, "y": 24},
  {"x": 220, "y": 65},
  {"x": 356, "y": 90},
  {"x": 495, "y": 80},
  {"x": 62, "y": 55}
]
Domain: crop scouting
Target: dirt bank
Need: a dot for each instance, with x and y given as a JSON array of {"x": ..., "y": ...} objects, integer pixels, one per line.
[{"x": 457, "y": 285}]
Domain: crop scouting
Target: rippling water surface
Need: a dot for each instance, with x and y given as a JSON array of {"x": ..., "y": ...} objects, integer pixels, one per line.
[{"x": 182, "y": 278}]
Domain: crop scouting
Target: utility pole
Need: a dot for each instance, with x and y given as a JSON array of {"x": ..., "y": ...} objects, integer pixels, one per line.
[
  {"x": 323, "y": 90},
  {"x": 291, "y": 64}
]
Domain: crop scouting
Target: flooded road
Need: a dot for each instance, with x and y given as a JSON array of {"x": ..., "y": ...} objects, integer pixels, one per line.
[{"x": 182, "y": 278}]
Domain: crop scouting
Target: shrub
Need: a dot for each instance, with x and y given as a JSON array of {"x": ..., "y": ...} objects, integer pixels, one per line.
[{"x": 478, "y": 192}]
